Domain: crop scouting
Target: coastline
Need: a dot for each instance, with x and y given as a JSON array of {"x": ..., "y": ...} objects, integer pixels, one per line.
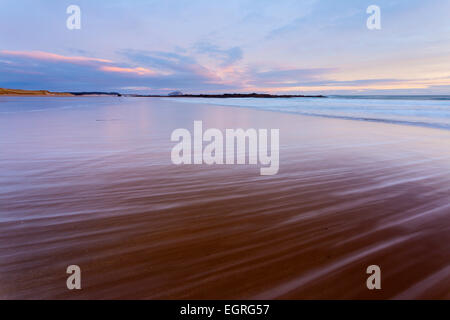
[{"x": 24, "y": 93}]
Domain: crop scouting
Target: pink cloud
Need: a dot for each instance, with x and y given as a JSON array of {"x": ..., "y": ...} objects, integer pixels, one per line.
[
  {"x": 103, "y": 65},
  {"x": 139, "y": 71},
  {"x": 40, "y": 55}
]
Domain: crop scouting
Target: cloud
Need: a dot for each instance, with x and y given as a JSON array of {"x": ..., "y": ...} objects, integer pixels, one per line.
[
  {"x": 138, "y": 70},
  {"x": 46, "y": 56},
  {"x": 226, "y": 57},
  {"x": 160, "y": 71},
  {"x": 372, "y": 86},
  {"x": 170, "y": 62},
  {"x": 289, "y": 75}
]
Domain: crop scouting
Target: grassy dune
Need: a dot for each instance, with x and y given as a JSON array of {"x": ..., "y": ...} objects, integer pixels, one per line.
[{"x": 18, "y": 92}]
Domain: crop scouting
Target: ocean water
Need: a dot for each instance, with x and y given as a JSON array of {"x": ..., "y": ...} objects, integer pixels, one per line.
[{"x": 427, "y": 111}]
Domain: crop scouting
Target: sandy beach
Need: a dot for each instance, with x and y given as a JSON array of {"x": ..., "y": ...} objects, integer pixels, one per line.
[{"x": 89, "y": 181}]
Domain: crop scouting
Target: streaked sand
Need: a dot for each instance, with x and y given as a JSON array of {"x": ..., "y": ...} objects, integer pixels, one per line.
[{"x": 95, "y": 187}]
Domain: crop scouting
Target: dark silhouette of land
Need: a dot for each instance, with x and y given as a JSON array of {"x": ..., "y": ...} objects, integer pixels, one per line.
[
  {"x": 231, "y": 95},
  {"x": 96, "y": 93}
]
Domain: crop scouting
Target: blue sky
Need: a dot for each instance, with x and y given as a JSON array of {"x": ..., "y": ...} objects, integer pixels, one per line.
[{"x": 292, "y": 46}]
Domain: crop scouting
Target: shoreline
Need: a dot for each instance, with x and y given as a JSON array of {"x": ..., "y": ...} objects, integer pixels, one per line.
[{"x": 417, "y": 124}]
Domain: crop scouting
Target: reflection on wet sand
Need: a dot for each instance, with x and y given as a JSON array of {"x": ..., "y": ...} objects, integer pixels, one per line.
[{"x": 104, "y": 195}]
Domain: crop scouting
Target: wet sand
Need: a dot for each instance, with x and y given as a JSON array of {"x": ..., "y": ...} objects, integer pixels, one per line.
[{"x": 94, "y": 186}]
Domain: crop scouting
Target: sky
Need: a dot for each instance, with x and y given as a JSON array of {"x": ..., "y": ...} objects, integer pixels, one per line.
[{"x": 212, "y": 46}]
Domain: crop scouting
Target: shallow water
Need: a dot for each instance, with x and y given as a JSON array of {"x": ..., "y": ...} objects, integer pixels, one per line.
[
  {"x": 88, "y": 181},
  {"x": 425, "y": 111}
]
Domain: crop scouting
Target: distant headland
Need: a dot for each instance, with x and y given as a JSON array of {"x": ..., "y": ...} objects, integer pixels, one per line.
[
  {"x": 175, "y": 94},
  {"x": 232, "y": 95},
  {"x": 19, "y": 92}
]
